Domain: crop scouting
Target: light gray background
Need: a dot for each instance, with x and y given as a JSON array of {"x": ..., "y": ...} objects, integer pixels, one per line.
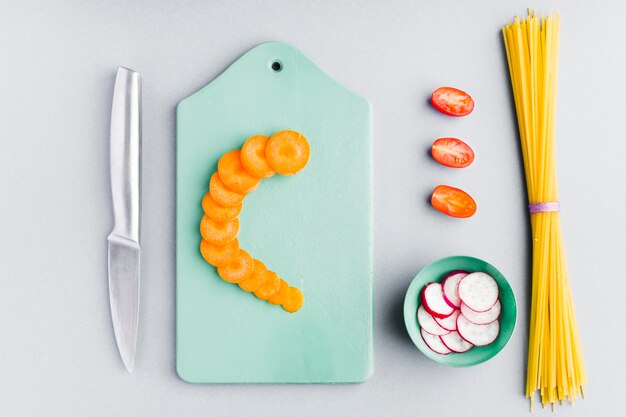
[{"x": 58, "y": 59}]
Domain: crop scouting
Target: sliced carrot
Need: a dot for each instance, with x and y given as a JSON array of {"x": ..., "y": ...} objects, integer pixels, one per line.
[
  {"x": 217, "y": 212},
  {"x": 279, "y": 297},
  {"x": 293, "y": 300},
  {"x": 271, "y": 286},
  {"x": 219, "y": 255},
  {"x": 218, "y": 233},
  {"x": 253, "y": 157},
  {"x": 259, "y": 277},
  {"x": 222, "y": 195},
  {"x": 287, "y": 152},
  {"x": 238, "y": 269},
  {"x": 234, "y": 175}
]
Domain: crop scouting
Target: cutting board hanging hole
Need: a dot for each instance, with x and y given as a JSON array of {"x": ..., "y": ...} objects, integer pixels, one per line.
[{"x": 276, "y": 65}]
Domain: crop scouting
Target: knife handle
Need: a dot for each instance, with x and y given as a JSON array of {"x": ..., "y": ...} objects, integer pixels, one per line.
[{"x": 125, "y": 155}]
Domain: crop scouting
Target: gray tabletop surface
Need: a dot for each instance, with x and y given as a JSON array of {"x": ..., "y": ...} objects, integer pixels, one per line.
[{"x": 58, "y": 59}]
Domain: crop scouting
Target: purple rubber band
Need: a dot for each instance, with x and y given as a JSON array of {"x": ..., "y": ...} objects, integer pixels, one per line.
[{"x": 544, "y": 207}]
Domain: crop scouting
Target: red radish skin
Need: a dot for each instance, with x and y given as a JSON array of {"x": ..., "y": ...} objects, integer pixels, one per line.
[
  {"x": 479, "y": 291},
  {"x": 434, "y": 343},
  {"x": 477, "y": 334},
  {"x": 449, "y": 323},
  {"x": 433, "y": 302},
  {"x": 428, "y": 323},
  {"x": 450, "y": 288},
  {"x": 485, "y": 317},
  {"x": 456, "y": 343}
]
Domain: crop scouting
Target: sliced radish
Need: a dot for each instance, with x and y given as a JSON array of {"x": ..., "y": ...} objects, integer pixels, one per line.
[
  {"x": 477, "y": 334},
  {"x": 449, "y": 323},
  {"x": 479, "y": 291},
  {"x": 428, "y": 323},
  {"x": 485, "y": 317},
  {"x": 450, "y": 284},
  {"x": 456, "y": 343},
  {"x": 434, "y": 343},
  {"x": 433, "y": 302}
]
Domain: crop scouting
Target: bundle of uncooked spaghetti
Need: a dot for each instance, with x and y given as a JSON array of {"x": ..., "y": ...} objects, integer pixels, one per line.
[{"x": 555, "y": 362}]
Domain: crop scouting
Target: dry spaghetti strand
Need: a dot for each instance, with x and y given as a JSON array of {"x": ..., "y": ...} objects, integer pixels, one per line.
[{"x": 555, "y": 364}]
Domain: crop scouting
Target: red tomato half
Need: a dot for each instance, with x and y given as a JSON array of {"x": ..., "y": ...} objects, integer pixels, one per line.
[
  {"x": 452, "y": 101},
  {"x": 453, "y": 202},
  {"x": 452, "y": 152}
]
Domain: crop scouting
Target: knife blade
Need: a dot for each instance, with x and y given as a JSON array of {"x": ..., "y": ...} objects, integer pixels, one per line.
[{"x": 124, "y": 250}]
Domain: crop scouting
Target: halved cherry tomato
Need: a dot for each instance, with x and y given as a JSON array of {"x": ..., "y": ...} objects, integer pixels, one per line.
[
  {"x": 453, "y": 202},
  {"x": 452, "y": 101},
  {"x": 452, "y": 152}
]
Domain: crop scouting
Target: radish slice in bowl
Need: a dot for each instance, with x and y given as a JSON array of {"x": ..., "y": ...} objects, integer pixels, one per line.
[
  {"x": 428, "y": 323},
  {"x": 433, "y": 302},
  {"x": 434, "y": 343},
  {"x": 449, "y": 323},
  {"x": 479, "y": 291},
  {"x": 450, "y": 288},
  {"x": 485, "y": 317},
  {"x": 456, "y": 343},
  {"x": 437, "y": 272},
  {"x": 477, "y": 334}
]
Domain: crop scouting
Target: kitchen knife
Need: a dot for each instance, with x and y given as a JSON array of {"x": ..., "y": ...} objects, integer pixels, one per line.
[{"x": 124, "y": 250}]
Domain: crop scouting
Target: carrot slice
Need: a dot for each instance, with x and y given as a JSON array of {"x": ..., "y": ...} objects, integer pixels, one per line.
[
  {"x": 218, "y": 213},
  {"x": 234, "y": 175},
  {"x": 222, "y": 195},
  {"x": 293, "y": 300},
  {"x": 287, "y": 152},
  {"x": 218, "y": 233},
  {"x": 259, "y": 277},
  {"x": 271, "y": 286},
  {"x": 238, "y": 269},
  {"x": 253, "y": 157},
  {"x": 279, "y": 297},
  {"x": 219, "y": 255}
]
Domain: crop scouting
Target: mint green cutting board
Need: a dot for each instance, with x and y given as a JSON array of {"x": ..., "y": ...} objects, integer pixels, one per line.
[{"x": 314, "y": 228}]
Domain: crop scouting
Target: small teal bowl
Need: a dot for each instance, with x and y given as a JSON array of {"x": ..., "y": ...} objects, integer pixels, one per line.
[{"x": 435, "y": 273}]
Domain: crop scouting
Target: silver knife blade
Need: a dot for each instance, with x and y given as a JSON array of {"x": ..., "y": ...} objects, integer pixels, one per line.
[
  {"x": 124, "y": 260},
  {"x": 124, "y": 249}
]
